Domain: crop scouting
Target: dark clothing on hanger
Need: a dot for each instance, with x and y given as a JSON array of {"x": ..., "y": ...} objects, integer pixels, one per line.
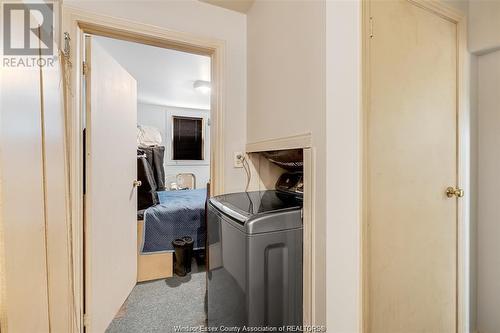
[
  {"x": 151, "y": 173},
  {"x": 146, "y": 193},
  {"x": 155, "y": 156}
]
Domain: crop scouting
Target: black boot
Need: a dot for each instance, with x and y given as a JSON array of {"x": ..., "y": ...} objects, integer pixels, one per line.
[
  {"x": 180, "y": 257},
  {"x": 189, "y": 252}
]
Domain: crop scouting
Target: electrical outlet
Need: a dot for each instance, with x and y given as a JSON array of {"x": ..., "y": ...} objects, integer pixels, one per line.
[{"x": 238, "y": 159}]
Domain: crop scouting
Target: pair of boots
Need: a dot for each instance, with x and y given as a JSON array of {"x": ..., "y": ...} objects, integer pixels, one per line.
[{"x": 183, "y": 255}]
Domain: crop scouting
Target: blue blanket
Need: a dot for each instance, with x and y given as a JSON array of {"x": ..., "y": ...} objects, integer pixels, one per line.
[{"x": 180, "y": 213}]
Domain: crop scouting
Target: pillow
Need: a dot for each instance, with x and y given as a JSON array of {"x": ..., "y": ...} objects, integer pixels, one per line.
[{"x": 148, "y": 136}]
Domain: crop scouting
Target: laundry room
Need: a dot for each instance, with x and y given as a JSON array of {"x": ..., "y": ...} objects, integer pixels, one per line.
[{"x": 249, "y": 165}]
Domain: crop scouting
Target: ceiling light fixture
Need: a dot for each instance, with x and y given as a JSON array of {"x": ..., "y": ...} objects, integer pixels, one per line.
[{"x": 202, "y": 86}]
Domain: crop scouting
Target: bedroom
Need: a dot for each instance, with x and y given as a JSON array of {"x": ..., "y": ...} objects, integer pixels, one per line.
[{"x": 165, "y": 97}]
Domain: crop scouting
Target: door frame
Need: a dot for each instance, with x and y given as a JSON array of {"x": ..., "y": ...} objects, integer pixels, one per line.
[
  {"x": 463, "y": 157},
  {"x": 77, "y": 23}
]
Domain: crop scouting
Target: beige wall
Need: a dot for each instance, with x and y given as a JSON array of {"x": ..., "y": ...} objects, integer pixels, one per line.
[
  {"x": 484, "y": 25},
  {"x": 484, "y": 42},
  {"x": 460, "y": 5},
  {"x": 286, "y": 45},
  {"x": 286, "y": 94},
  {"x": 205, "y": 20},
  {"x": 488, "y": 229},
  {"x": 343, "y": 135}
]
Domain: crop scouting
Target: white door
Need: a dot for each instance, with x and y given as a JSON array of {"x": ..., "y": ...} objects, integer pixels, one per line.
[
  {"x": 111, "y": 199},
  {"x": 411, "y": 160}
]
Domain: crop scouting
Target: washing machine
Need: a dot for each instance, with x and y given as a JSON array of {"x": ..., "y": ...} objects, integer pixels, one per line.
[{"x": 255, "y": 256}]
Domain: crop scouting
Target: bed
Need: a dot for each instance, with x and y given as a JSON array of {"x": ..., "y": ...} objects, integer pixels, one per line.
[{"x": 180, "y": 213}]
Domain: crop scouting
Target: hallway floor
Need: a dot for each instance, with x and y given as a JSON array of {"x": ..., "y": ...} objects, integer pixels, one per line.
[{"x": 159, "y": 306}]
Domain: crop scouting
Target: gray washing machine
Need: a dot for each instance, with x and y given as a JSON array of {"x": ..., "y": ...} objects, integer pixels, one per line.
[{"x": 255, "y": 259}]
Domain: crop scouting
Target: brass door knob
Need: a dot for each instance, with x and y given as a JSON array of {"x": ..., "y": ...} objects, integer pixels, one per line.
[
  {"x": 137, "y": 183},
  {"x": 454, "y": 192}
]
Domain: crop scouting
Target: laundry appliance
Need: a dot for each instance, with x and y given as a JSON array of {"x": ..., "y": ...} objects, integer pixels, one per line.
[{"x": 255, "y": 256}]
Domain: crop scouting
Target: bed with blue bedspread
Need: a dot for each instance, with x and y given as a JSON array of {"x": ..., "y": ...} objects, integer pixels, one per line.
[{"x": 180, "y": 213}]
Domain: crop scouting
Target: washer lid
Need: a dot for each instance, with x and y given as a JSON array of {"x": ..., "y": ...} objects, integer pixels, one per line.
[{"x": 245, "y": 205}]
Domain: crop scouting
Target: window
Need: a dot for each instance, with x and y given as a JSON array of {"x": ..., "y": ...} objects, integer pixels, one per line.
[{"x": 187, "y": 141}]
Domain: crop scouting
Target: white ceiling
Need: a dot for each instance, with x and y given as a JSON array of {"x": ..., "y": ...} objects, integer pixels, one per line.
[{"x": 164, "y": 77}]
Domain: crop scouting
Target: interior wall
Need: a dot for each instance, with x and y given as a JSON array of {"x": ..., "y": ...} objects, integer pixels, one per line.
[
  {"x": 343, "y": 139},
  {"x": 202, "y": 19},
  {"x": 461, "y": 6},
  {"x": 488, "y": 229},
  {"x": 286, "y": 97},
  {"x": 484, "y": 42},
  {"x": 484, "y": 25},
  {"x": 161, "y": 117}
]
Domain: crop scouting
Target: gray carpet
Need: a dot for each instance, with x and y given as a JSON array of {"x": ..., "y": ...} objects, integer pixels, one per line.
[{"x": 158, "y": 306}]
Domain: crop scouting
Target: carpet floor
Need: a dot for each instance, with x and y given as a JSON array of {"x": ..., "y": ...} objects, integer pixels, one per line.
[{"x": 159, "y": 306}]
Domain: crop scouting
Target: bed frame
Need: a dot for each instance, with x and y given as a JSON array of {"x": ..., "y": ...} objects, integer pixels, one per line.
[{"x": 155, "y": 265}]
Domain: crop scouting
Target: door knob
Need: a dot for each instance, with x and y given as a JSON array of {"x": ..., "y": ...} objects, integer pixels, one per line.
[
  {"x": 137, "y": 183},
  {"x": 454, "y": 192}
]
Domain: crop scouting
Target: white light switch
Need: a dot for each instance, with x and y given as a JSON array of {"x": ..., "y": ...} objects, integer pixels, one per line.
[{"x": 238, "y": 159}]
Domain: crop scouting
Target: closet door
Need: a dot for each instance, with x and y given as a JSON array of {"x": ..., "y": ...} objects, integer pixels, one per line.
[
  {"x": 111, "y": 198},
  {"x": 411, "y": 160},
  {"x": 23, "y": 255}
]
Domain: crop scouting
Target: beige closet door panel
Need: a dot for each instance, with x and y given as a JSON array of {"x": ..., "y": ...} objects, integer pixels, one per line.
[
  {"x": 26, "y": 302},
  {"x": 412, "y": 158},
  {"x": 111, "y": 224}
]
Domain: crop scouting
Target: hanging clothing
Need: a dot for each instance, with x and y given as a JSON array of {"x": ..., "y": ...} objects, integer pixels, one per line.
[
  {"x": 146, "y": 193},
  {"x": 148, "y": 136},
  {"x": 155, "y": 156}
]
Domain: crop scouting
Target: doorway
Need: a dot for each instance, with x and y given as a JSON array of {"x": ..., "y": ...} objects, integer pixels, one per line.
[{"x": 114, "y": 124}]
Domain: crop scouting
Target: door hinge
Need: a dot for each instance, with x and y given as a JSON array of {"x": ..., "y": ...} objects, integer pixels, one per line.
[
  {"x": 85, "y": 68},
  {"x": 371, "y": 28},
  {"x": 67, "y": 45}
]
